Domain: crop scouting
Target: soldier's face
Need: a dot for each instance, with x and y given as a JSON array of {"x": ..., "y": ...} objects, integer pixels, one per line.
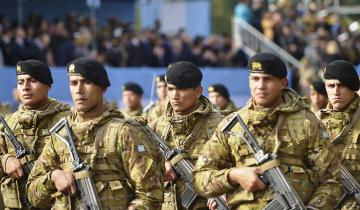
[
  {"x": 317, "y": 100},
  {"x": 31, "y": 92},
  {"x": 183, "y": 100},
  {"x": 161, "y": 90},
  {"x": 87, "y": 96},
  {"x": 131, "y": 100},
  {"x": 339, "y": 95},
  {"x": 266, "y": 89},
  {"x": 218, "y": 100}
]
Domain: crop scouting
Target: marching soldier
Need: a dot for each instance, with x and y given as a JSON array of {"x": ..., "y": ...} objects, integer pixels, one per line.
[
  {"x": 341, "y": 116},
  {"x": 284, "y": 126},
  {"x": 131, "y": 95},
  {"x": 159, "y": 108},
  {"x": 220, "y": 98},
  {"x": 189, "y": 122},
  {"x": 126, "y": 165},
  {"x": 318, "y": 96},
  {"x": 30, "y": 124}
]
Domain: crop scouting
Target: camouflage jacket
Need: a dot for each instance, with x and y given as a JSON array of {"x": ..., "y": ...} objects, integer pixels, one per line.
[
  {"x": 230, "y": 108},
  {"x": 299, "y": 143},
  {"x": 157, "y": 111},
  {"x": 5, "y": 109},
  {"x": 188, "y": 133},
  {"x": 126, "y": 165},
  {"x": 347, "y": 147},
  {"x": 31, "y": 128},
  {"x": 132, "y": 114}
]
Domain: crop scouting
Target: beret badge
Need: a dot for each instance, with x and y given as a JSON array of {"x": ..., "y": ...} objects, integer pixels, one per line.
[
  {"x": 256, "y": 66},
  {"x": 72, "y": 68}
]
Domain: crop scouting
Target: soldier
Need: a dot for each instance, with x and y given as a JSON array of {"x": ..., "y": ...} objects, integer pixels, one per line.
[
  {"x": 30, "y": 124},
  {"x": 283, "y": 125},
  {"x": 341, "y": 116},
  {"x": 126, "y": 165},
  {"x": 159, "y": 108},
  {"x": 220, "y": 98},
  {"x": 318, "y": 96},
  {"x": 5, "y": 108},
  {"x": 188, "y": 123},
  {"x": 131, "y": 95}
]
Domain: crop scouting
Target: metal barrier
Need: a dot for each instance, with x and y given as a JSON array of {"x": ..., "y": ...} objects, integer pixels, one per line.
[{"x": 251, "y": 41}]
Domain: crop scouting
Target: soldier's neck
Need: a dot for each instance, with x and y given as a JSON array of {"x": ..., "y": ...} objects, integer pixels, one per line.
[
  {"x": 91, "y": 114},
  {"x": 258, "y": 107},
  {"x": 190, "y": 110},
  {"x": 41, "y": 106}
]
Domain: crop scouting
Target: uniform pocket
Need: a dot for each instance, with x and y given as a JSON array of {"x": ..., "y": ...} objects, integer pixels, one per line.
[
  {"x": 301, "y": 181},
  {"x": 10, "y": 193},
  {"x": 113, "y": 194}
]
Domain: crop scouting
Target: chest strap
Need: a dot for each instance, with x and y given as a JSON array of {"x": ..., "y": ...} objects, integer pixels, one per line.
[{"x": 348, "y": 127}]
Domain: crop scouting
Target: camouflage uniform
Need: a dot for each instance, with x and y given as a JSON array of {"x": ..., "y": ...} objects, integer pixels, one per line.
[
  {"x": 31, "y": 129},
  {"x": 132, "y": 114},
  {"x": 157, "y": 111},
  {"x": 188, "y": 133},
  {"x": 230, "y": 108},
  {"x": 127, "y": 166},
  {"x": 5, "y": 109},
  {"x": 347, "y": 147},
  {"x": 298, "y": 142}
]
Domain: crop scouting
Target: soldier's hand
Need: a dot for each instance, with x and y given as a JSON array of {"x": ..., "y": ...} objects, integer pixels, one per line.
[
  {"x": 170, "y": 174},
  {"x": 13, "y": 168},
  {"x": 212, "y": 204},
  {"x": 64, "y": 181},
  {"x": 247, "y": 177}
]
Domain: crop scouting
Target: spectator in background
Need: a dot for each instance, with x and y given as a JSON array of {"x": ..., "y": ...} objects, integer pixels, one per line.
[{"x": 244, "y": 12}]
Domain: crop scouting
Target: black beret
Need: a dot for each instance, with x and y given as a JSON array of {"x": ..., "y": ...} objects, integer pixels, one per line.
[
  {"x": 219, "y": 88},
  {"x": 343, "y": 71},
  {"x": 36, "y": 69},
  {"x": 160, "y": 78},
  {"x": 90, "y": 70},
  {"x": 183, "y": 74},
  {"x": 319, "y": 86},
  {"x": 267, "y": 63},
  {"x": 133, "y": 87}
]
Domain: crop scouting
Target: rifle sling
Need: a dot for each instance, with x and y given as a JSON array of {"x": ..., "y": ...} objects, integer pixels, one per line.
[
  {"x": 177, "y": 158},
  {"x": 83, "y": 175},
  {"x": 269, "y": 165},
  {"x": 348, "y": 127}
]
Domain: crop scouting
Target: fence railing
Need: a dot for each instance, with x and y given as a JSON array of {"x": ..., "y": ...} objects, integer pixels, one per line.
[{"x": 251, "y": 41}]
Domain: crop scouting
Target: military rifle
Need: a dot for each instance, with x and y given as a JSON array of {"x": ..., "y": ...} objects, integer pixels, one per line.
[
  {"x": 350, "y": 185},
  {"x": 285, "y": 196},
  {"x": 183, "y": 169},
  {"x": 85, "y": 184},
  {"x": 20, "y": 152}
]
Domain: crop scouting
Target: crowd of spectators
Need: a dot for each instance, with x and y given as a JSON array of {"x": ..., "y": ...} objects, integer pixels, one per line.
[
  {"x": 58, "y": 41},
  {"x": 307, "y": 32}
]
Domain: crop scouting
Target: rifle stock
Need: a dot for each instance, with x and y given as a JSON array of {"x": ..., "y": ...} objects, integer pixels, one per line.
[
  {"x": 20, "y": 152},
  {"x": 285, "y": 196},
  {"x": 183, "y": 169},
  {"x": 85, "y": 184},
  {"x": 350, "y": 185}
]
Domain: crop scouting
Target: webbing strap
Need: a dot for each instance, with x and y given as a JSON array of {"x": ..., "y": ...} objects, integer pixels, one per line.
[
  {"x": 347, "y": 128},
  {"x": 83, "y": 174},
  {"x": 270, "y": 164}
]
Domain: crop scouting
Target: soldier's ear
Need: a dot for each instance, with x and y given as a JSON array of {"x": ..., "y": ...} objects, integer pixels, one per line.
[
  {"x": 284, "y": 83},
  {"x": 199, "y": 90}
]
